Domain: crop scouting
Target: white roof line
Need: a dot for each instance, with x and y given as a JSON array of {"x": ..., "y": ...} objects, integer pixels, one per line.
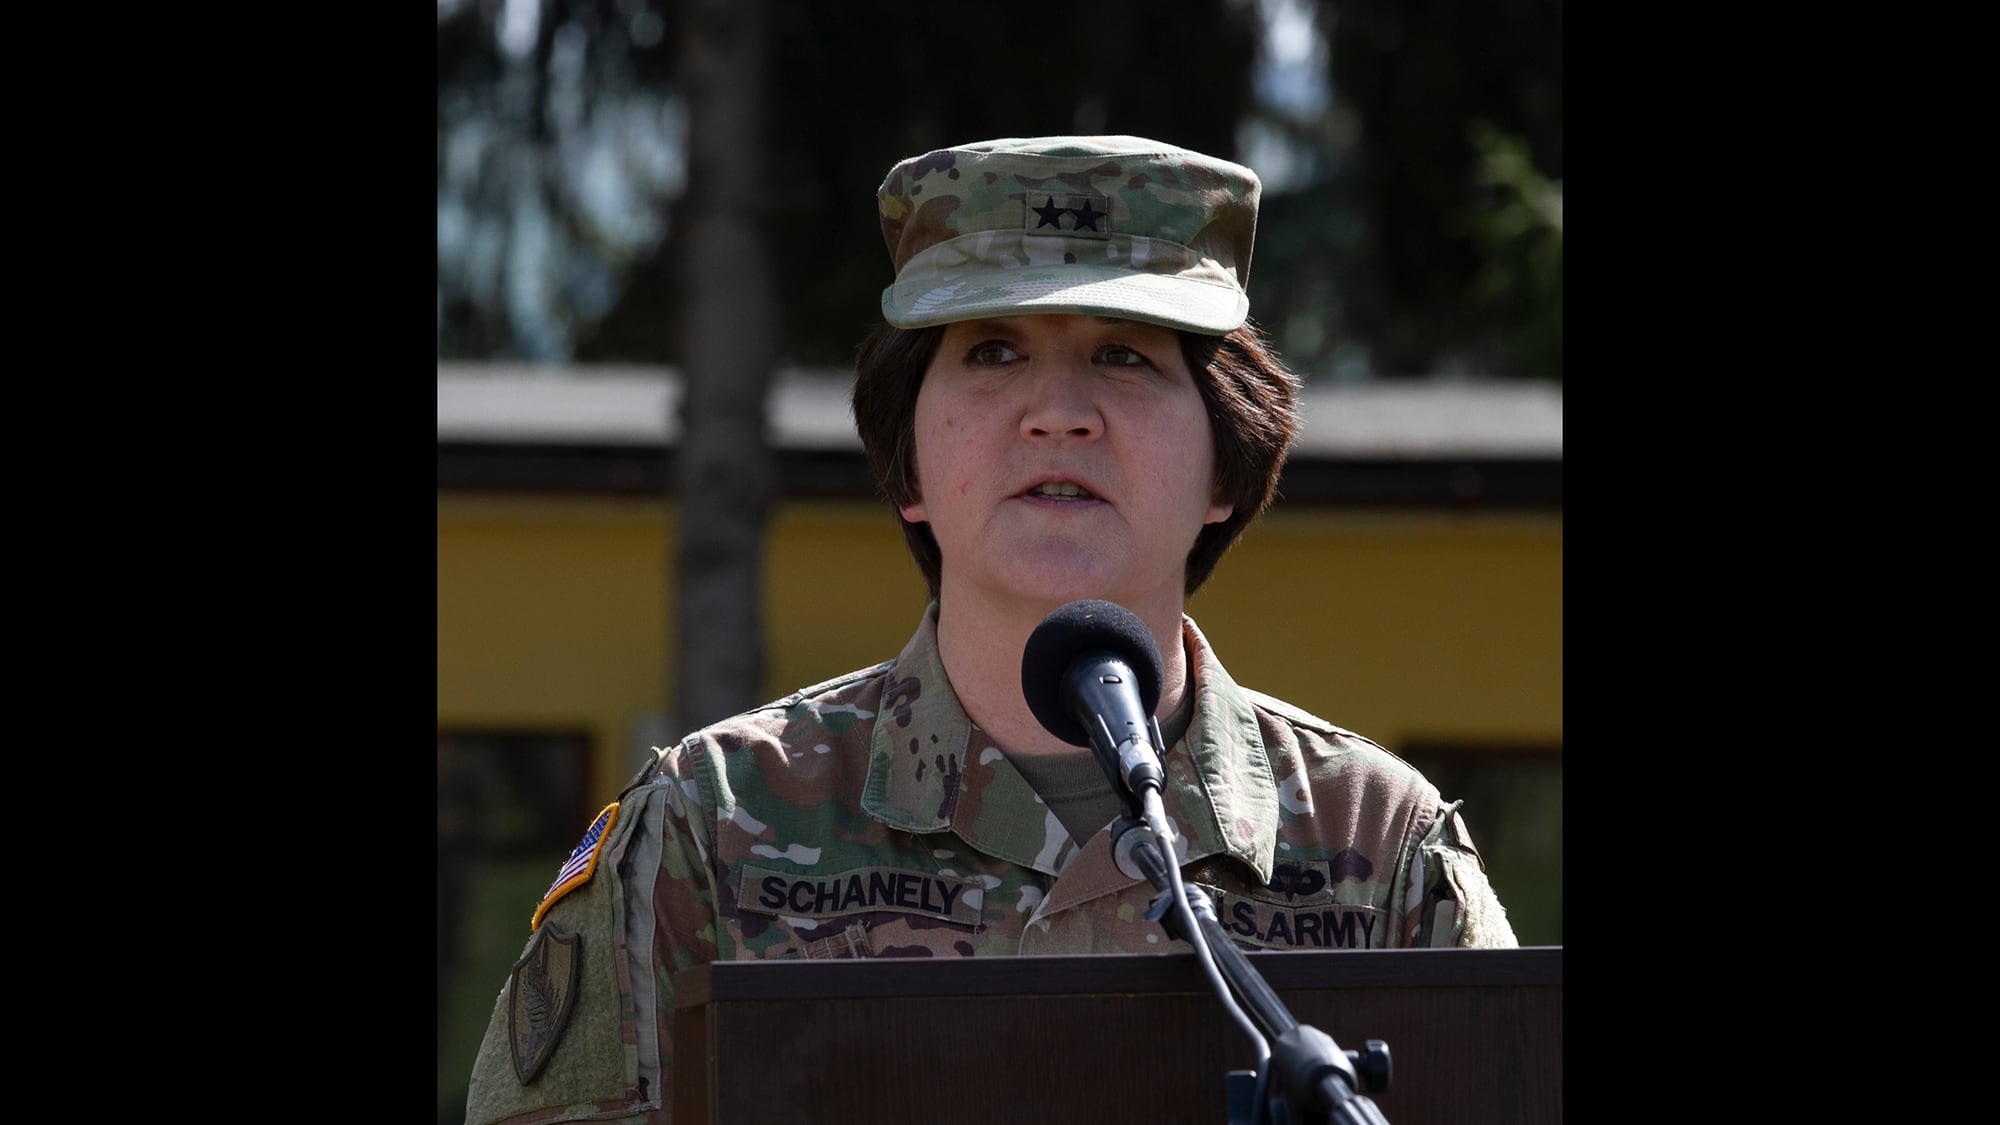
[{"x": 635, "y": 405}]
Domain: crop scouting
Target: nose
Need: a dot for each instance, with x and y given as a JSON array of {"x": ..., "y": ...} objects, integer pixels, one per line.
[{"x": 1059, "y": 402}]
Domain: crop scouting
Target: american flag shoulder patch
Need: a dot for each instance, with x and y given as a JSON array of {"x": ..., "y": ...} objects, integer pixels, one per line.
[{"x": 582, "y": 862}]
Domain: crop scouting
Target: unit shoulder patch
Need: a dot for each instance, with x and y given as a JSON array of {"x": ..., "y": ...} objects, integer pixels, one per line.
[{"x": 541, "y": 992}]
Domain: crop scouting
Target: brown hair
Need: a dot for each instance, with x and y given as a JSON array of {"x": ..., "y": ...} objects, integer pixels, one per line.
[{"x": 1252, "y": 403}]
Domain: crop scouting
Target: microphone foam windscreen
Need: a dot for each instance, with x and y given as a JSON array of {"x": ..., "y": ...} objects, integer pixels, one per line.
[{"x": 1083, "y": 628}]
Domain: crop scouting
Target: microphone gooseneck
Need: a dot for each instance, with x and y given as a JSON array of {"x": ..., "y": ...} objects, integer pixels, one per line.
[{"x": 1091, "y": 674}]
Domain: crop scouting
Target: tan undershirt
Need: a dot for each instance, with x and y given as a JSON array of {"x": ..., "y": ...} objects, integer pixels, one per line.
[{"x": 1075, "y": 787}]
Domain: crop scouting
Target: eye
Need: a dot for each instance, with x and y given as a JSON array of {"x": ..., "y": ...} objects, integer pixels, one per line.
[
  {"x": 1118, "y": 355},
  {"x": 990, "y": 352}
]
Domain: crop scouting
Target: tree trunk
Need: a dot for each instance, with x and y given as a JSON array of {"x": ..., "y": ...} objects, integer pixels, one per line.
[{"x": 731, "y": 327}]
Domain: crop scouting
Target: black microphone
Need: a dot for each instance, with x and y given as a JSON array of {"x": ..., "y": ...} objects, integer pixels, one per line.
[{"x": 1091, "y": 674}]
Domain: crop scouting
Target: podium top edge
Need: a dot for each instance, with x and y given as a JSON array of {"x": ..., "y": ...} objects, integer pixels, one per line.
[{"x": 1084, "y": 974}]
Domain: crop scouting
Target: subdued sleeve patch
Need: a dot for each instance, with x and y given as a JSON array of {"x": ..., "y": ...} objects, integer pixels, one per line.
[
  {"x": 540, "y": 994},
  {"x": 581, "y": 864},
  {"x": 583, "y": 1062}
]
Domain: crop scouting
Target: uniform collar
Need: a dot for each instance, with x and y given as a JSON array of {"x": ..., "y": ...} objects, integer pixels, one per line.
[
  {"x": 916, "y": 758},
  {"x": 1230, "y": 802},
  {"x": 1220, "y": 791}
]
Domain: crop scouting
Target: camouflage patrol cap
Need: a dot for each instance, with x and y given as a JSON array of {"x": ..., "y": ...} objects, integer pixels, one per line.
[{"x": 1105, "y": 226}]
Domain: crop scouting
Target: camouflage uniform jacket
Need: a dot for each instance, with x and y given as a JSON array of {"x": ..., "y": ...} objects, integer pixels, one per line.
[{"x": 868, "y": 817}]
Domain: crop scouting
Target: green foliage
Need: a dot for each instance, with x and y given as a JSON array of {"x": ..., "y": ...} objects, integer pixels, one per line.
[
  {"x": 1423, "y": 288},
  {"x": 1413, "y": 239},
  {"x": 854, "y": 87},
  {"x": 1516, "y": 221},
  {"x": 558, "y": 150}
]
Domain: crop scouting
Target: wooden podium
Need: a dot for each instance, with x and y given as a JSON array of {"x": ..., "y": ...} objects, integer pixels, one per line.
[{"x": 1475, "y": 1036}]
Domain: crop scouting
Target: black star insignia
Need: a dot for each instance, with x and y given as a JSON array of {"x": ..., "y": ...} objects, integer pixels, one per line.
[
  {"x": 1086, "y": 216},
  {"x": 1050, "y": 213}
]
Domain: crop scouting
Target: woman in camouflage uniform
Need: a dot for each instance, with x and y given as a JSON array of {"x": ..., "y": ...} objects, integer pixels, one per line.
[{"x": 1066, "y": 400}]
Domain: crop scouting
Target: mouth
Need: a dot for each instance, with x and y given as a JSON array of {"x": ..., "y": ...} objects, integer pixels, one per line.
[{"x": 1061, "y": 490}]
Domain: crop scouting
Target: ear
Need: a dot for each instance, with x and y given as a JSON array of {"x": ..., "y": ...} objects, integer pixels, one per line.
[
  {"x": 913, "y": 512},
  {"x": 1219, "y": 511}
]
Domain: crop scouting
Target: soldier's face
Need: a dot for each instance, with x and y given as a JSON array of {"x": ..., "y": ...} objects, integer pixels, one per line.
[{"x": 1063, "y": 457}]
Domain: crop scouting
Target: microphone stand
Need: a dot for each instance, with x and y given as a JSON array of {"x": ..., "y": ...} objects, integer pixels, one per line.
[{"x": 1307, "y": 1078}]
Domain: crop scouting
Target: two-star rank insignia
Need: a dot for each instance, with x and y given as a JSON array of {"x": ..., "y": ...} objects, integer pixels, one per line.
[{"x": 1070, "y": 213}]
